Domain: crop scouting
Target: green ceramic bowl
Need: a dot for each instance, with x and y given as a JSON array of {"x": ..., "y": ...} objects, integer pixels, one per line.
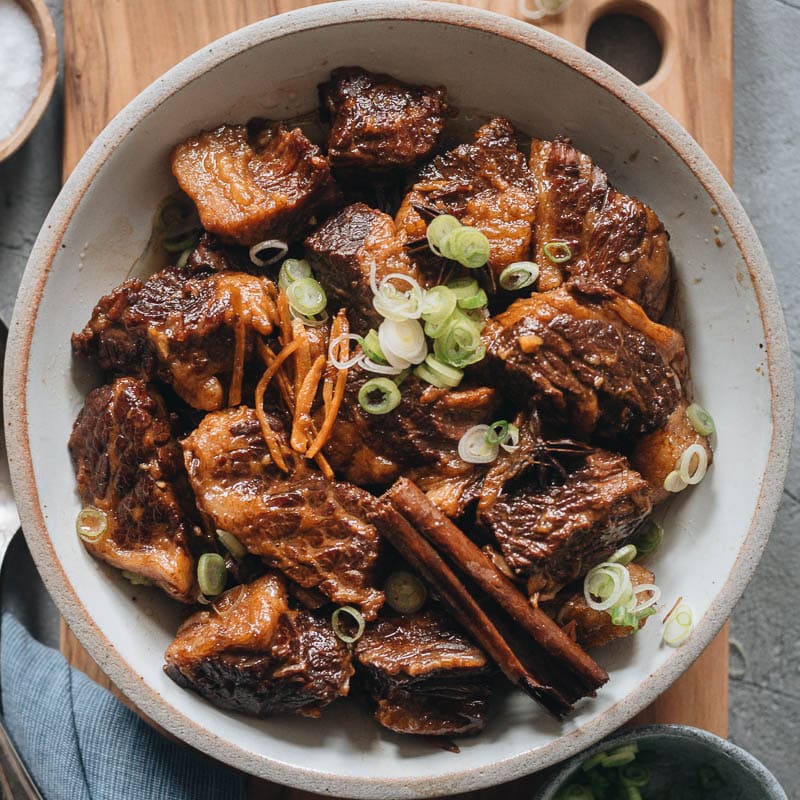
[{"x": 675, "y": 754}]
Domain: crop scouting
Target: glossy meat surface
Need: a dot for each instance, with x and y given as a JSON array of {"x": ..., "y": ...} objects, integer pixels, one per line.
[
  {"x": 179, "y": 328},
  {"x": 251, "y": 653},
  {"x": 551, "y": 535},
  {"x": 486, "y": 184},
  {"x": 593, "y": 628},
  {"x": 314, "y": 530},
  {"x": 129, "y": 465},
  {"x": 591, "y": 357},
  {"x": 615, "y": 239},
  {"x": 252, "y": 183},
  {"x": 424, "y": 676},
  {"x": 343, "y": 251},
  {"x": 378, "y": 122}
]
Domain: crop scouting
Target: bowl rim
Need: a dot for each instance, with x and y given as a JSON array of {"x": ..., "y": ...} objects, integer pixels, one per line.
[{"x": 79, "y": 617}]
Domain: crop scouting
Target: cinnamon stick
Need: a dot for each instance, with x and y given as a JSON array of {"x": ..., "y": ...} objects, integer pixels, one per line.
[
  {"x": 426, "y": 517},
  {"x": 420, "y": 555}
]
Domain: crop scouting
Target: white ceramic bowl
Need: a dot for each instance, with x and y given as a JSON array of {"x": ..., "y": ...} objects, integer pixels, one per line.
[{"x": 726, "y": 300}]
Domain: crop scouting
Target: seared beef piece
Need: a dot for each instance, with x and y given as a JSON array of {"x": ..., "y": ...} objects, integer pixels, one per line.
[
  {"x": 212, "y": 255},
  {"x": 592, "y": 628},
  {"x": 487, "y": 185},
  {"x": 657, "y": 454},
  {"x": 129, "y": 465},
  {"x": 251, "y": 653},
  {"x": 314, "y": 530},
  {"x": 424, "y": 676},
  {"x": 255, "y": 182},
  {"x": 591, "y": 357},
  {"x": 615, "y": 239},
  {"x": 179, "y": 328},
  {"x": 342, "y": 252},
  {"x": 553, "y": 534},
  {"x": 379, "y": 123},
  {"x": 422, "y": 434}
]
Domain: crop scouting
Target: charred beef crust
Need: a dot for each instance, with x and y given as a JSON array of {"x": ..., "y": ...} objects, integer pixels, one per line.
[
  {"x": 129, "y": 465},
  {"x": 552, "y": 535},
  {"x": 424, "y": 677},
  {"x": 255, "y": 182},
  {"x": 591, "y": 357},
  {"x": 379, "y": 123}
]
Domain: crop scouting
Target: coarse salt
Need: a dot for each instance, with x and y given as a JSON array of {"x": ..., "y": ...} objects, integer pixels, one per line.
[{"x": 20, "y": 66}]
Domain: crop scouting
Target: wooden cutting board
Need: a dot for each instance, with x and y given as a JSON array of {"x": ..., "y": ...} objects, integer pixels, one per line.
[{"x": 114, "y": 48}]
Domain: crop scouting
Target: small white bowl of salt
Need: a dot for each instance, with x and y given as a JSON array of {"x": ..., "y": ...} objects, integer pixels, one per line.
[{"x": 28, "y": 67}]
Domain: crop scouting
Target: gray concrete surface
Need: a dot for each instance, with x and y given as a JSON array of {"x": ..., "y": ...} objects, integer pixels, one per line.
[{"x": 765, "y": 700}]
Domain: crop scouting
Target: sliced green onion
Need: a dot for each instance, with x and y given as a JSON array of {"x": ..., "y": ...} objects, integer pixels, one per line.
[
  {"x": 498, "y": 432},
  {"x": 135, "y": 578},
  {"x": 700, "y": 420},
  {"x": 389, "y": 396},
  {"x": 177, "y": 223},
  {"x": 463, "y": 287},
  {"x": 91, "y": 524},
  {"x": 519, "y": 275},
  {"x": 477, "y": 300},
  {"x": 425, "y": 373},
  {"x": 436, "y": 328},
  {"x": 620, "y": 756},
  {"x": 402, "y": 342},
  {"x": 646, "y": 605},
  {"x": 592, "y": 762},
  {"x": 211, "y": 574},
  {"x": 678, "y": 625},
  {"x": 460, "y": 343},
  {"x": 558, "y": 252},
  {"x": 610, "y": 583},
  {"x": 511, "y": 442},
  {"x": 635, "y": 775},
  {"x": 392, "y": 303},
  {"x": 232, "y": 544},
  {"x": 624, "y": 555},
  {"x": 648, "y": 538},
  {"x": 333, "y": 350},
  {"x": 443, "y": 374},
  {"x": 372, "y": 347},
  {"x": 438, "y": 229},
  {"x": 632, "y": 793},
  {"x": 268, "y": 252},
  {"x": 405, "y": 592},
  {"x": 473, "y": 447},
  {"x": 306, "y": 296},
  {"x": 468, "y": 246},
  {"x": 180, "y": 241},
  {"x": 438, "y": 304},
  {"x": 316, "y": 321},
  {"x": 623, "y": 617},
  {"x": 293, "y": 269},
  {"x": 674, "y": 483},
  {"x": 339, "y": 629},
  {"x": 689, "y": 475},
  {"x": 184, "y": 258}
]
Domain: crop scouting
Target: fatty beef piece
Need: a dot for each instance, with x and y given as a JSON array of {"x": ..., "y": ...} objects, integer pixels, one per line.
[
  {"x": 343, "y": 252},
  {"x": 423, "y": 675},
  {"x": 554, "y": 525},
  {"x": 316, "y": 531},
  {"x": 379, "y": 123},
  {"x": 130, "y": 467},
  {"x": 487, "y": 185},
  {"x": 190, "y": 330},
  {"x": 591, "y": 628},
  {"x": 613, "y": 239},
  {"x": 249, "y": 652},
  {"x": 255, "y": 182},
  {"x": 590, "y": 358}
]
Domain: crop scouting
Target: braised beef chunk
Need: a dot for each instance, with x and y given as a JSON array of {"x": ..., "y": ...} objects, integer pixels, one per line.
[
  {"x": 486, "y": 184},
  {"x": 424, "y": 676},
  {"x": 613, "y": 238},
  {"x": 589, "y": 356},
  {"x": 656, "y": 454},
  {"x": 553, "y": 534},
  {"x": 312, "y": 529},
  {"x": 180, "y": 328},
  {"x": 212, "y": 255},
  {"x": 256, "y": 182},
  {"x": 379, "y": 123},
  {"x": 422, "y": 433},
  {"x": 253, "y": 654},
  {"x": 591, "y": 628},
  {"x": 129, "y": 465},
  {"x": 343, "y": 251}
]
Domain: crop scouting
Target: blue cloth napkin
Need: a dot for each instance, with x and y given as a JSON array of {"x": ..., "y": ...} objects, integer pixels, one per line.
[{"x": 80, "y": 743}]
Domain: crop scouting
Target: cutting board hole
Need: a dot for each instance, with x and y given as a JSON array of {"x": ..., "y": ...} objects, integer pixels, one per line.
[{"x": 627, "y": 42}]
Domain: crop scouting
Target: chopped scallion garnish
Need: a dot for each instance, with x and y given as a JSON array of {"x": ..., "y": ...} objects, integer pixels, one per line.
[
  {"x": 474, "y": 448},
  {"x": 211, "y": 574},
  {"x": 338, "y": 625},
  {"x": 293, "y": 269},
  {"x": 91, "y": 524},
  {"x": 459, "y": 344},
  {"x": 231, "y": 544},
  {"x": 468, "y": 246},
  {"x": 379, "y": 396},
  {"x": 648, "y": 538},
  {"x": 306, "y": 297},
  {"x": 678, "y": 625},
  {"x": 268, "y": 252},
  {"x": 519, "y": 275},
  {"x": 558, "y": 252},
  {"x": 438, "y": 229},
  {"x": 700, "y": 420}
]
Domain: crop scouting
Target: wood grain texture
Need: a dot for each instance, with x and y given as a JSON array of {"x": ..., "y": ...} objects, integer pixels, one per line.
[{"x": 115, "y": 48}]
